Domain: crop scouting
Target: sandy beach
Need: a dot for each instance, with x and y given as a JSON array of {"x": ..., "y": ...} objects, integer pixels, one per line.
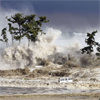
[{"x": 48, "y": 97}]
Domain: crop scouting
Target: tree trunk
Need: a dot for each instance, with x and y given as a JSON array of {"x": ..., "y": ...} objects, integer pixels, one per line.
[
  {"x": 20, "y": 35},
  {"x": 12, "y": 39},
  {"x": 28, "y": 42}
]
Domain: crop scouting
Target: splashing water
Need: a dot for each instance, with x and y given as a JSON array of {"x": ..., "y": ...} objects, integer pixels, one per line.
[
  {"x": 24, "y": 56},
  {"x": 20, "y": 56}
]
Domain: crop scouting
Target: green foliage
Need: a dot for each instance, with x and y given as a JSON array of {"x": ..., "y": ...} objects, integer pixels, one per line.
[
  {"x": 4, "y": 35},
  {"x": 91, "y": 43},
  {"x": 98, "y": 51},
  {"x": 33, "y": 27},
  {"x": 16, "y": 32},
  {"x": 24, "y": 26}
]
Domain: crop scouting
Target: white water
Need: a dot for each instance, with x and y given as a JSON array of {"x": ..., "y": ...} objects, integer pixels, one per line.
[
  {"x": 20, "y": 56},
  {"x": 53, "y": 47}
]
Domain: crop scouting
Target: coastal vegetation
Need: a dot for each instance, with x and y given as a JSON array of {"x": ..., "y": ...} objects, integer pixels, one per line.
[
  {"x": 91, "y": 43},
  {"x": 20, "y": 26}
]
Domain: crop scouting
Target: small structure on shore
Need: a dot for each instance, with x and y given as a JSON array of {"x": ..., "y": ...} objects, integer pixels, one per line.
[{"x": 65, "y": 80}]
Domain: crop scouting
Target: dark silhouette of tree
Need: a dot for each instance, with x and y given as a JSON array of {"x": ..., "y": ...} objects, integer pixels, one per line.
[
  {"x": 4, "y": 35},
  {"x": 32, "y": 27},
  {"x": 91, "y": 44},
  {"x": 16, "y": 32},
  {"x": 24, "y": 26}
]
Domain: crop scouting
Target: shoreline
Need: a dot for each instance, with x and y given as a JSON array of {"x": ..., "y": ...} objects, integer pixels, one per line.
[
  {"x": 80, "y": 96},
  {"x": 46, "y": 91},
  {"x": 48, "y": 84}
]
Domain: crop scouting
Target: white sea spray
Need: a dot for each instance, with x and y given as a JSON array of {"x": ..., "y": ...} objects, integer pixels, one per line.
[{"x": 45, "y": 48}]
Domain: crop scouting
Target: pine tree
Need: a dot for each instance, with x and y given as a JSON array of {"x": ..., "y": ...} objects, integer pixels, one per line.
[
  {"x": 91, "y": 44},
  {"x": 16, "y": 32},
  {"x": 4, "y": 35},
  {"x": 32, "y": 27},
  {"x": 25, "y": 26}
]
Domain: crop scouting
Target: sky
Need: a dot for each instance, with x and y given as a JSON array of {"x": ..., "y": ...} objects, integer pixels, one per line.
[{"x": 79, "y": 16}]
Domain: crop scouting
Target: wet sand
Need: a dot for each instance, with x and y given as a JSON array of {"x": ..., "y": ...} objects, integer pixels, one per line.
[
  {"x": 48, "y": 97},
  {"x": 15, "y": 93},
  {"x": 36, "y": 90}
]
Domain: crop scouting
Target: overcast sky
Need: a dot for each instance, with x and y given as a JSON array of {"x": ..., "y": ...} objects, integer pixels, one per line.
[
  {"x": 68, "y": 15},
  {"x": 50, "y": 6}
]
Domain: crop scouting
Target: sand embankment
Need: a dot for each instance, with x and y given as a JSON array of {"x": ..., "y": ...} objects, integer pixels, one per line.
[{"x": 49, "y": 97}]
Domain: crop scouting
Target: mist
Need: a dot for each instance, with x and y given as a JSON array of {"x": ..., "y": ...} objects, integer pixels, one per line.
[{"x": 56, "y": 45}]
